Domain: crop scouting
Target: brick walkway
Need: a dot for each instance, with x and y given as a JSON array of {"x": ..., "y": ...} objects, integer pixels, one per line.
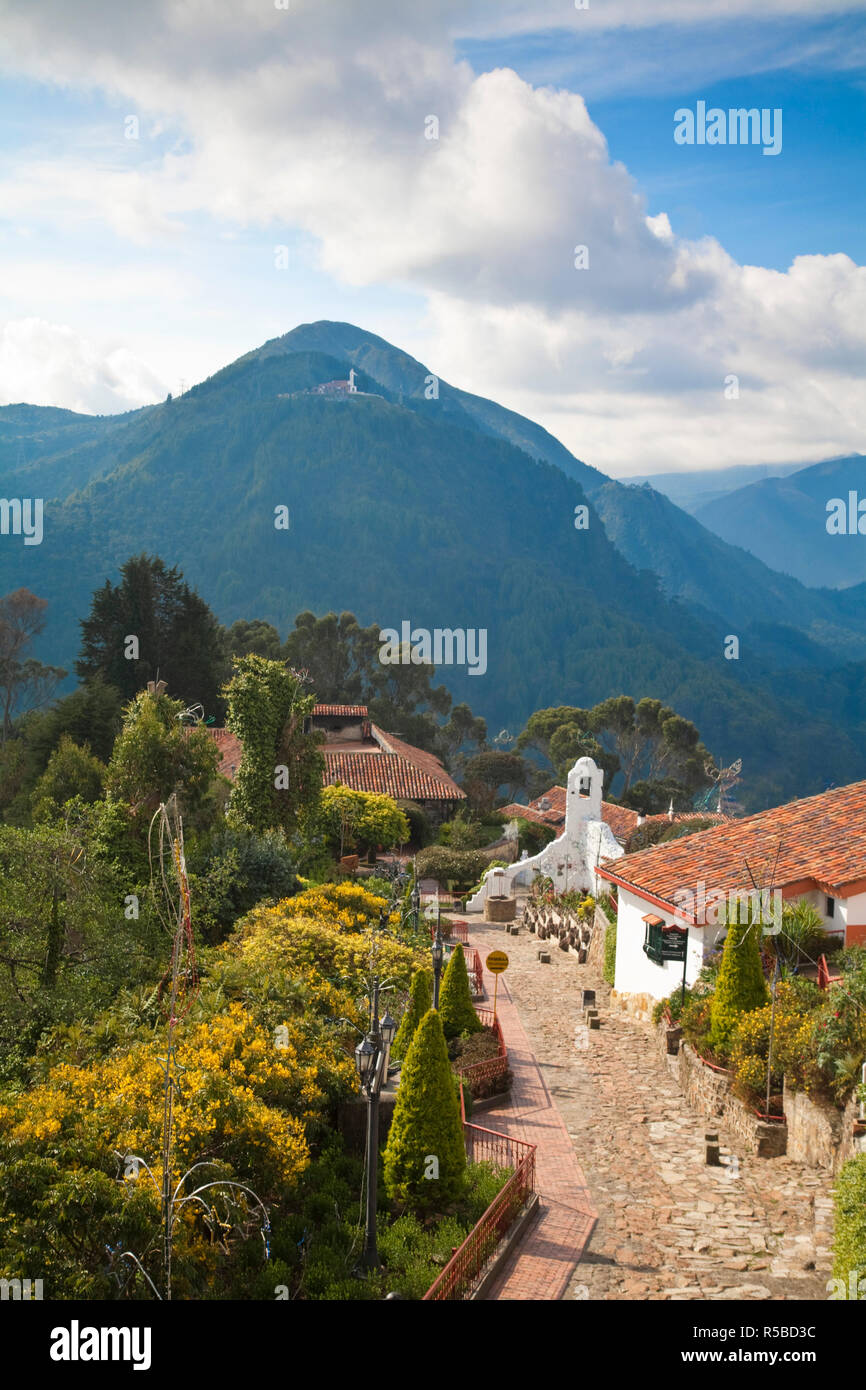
[
  {"x": 545, "y": 1259},
  {"x": 667, "y": 1226}
]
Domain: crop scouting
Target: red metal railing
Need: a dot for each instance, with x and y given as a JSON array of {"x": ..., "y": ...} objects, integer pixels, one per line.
[
  {"x": 462, "y": 1271},
  {"x": 825, "y": 979},
  {"x": 459, "y": 931},
  {"x": 492, "y": 1067}
]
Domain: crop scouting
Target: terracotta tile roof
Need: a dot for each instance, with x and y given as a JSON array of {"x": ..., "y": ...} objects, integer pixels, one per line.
[
  {"x": 230, "y": 749},
  {"x": 819, "y": 840},
  {"x": 621, "y": 819},
  {"x": 385, "y": 764},
  {"x": 395, "y": 775},
  {"x": 347, "y": 711}
]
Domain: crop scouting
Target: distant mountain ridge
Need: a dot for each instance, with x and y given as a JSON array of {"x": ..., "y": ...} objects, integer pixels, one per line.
[
  {"x": 783, "y": 521},
  {"x": 448, "y": 512}
]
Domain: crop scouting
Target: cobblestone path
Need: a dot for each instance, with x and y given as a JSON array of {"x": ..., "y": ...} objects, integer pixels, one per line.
[{"x": 668, "y": 1227}]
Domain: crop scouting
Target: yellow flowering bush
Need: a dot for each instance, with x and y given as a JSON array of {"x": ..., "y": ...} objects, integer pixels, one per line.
[
  {"x": 241, "y": 1099},
  {"x": 345, "y": 905}
]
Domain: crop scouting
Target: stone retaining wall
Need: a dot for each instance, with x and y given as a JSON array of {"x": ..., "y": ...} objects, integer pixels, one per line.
[
  {"x": 819, "y": 1133},
  {"x": 635, "y": 1006},
  {"x": 709, "y": 1093}
]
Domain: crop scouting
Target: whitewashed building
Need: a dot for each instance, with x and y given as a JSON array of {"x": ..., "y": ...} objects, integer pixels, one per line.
[
  {"x": 573, "y": 858},
  {"x": 813, "y": 849}
]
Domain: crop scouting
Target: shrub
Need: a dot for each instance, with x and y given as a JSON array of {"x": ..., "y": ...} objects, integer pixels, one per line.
[
  {"x": 451, "y": 865},
  {"x": 420, "y": 1000},
  {"x": 426, "y": 1125},
  {"x": 455, "y": 999},
  {"x": 609, "y": 969},
  {"x": 849, "y": 1243},
  {"x": 420, "y": 829},
  {"x": 792, "y": 1029},
  {"x": 741, "y": 985}
]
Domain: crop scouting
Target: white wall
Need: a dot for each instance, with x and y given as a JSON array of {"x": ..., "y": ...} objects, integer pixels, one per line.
[{"x": 635, "y": 973}]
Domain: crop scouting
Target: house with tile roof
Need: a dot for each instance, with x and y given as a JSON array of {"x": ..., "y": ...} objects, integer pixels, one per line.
[
  {"x": 360, "y": 755},
  {"x": 814, "y": 848},
  {"x": 549, "y": 809}
]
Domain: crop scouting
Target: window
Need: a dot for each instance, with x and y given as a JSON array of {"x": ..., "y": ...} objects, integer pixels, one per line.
[
  {"x": 831, "y": 907},
  {"x": 653, "y": 939}
]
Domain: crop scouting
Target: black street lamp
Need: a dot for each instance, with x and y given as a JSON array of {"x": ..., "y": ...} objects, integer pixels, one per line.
[
  {"x": 371, "y": 1060},
  {"x": 438, "y": 953}
]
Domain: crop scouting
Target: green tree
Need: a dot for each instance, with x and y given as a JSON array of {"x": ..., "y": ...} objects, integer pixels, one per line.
[
  {"x": 486, "y": 772},
  {"x": 425, "y": 1157},
  {"x": 72, "y": 771},
  {"x": 256, "y": 636},
  {"x": 156, "y": 755},
  {"x": 179, "y": 639},
  {"x": 741, "y": 986},
  {"x": 24, "y": 681},
  {"x": 455, "y": 999},
  {"x": 420, "y": 1001},
  {"x": 280, "y": 775},
  {"x": 849, "y": 1242}
]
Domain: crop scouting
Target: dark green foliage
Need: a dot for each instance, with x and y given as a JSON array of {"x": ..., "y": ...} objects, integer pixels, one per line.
[
  {"x": 455, "y": 999},
  {"x": 420, "y": 829},
  {"x": 741, "y": 986},
  {"x": 426, "y": 1125},
  {"x": 72, "y": 771},
  {"x": 420, "y": 1001},
  {"x": 609, "y": 967},
  {"x": 180, "y": 640},
  {"x": 281, "y": 768},
  {"x": 232, "y": 870},
  {"x": 849, "y": 1241},
  {"x": 451, "y": 865}
]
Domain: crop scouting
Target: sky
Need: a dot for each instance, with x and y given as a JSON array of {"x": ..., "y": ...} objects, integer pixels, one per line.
[{"x": 182, "y": 180}]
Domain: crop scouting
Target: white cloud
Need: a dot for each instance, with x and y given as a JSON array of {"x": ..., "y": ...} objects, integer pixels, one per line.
[
  {"x": 314, "y": 118},
  {"x": 48, "y": 364}
]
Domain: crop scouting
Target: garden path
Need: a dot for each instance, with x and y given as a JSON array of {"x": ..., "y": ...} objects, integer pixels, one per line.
[{"x": 668, "y": 1227}]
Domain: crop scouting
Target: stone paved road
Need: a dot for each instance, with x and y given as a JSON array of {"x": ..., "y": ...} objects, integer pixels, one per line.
[{"x": 668, "y": 1226}]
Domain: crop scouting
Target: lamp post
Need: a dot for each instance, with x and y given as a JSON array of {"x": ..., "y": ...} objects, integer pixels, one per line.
[
  {"x": 438, "y": 953},
  {"x": 416, "y": 905},
  {"x": 371, "y": 1060}
]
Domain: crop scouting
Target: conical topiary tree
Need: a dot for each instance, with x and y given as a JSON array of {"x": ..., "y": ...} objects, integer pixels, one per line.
[
  {"x": 425, "y": 1158},
  {"x": 740, "y": 986},
  {"x": 420, "y": 999},
  {"x": 455, "y": 999}
]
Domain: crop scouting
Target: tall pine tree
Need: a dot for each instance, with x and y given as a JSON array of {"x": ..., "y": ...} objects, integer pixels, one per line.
[{"x": 176, "y": 636}]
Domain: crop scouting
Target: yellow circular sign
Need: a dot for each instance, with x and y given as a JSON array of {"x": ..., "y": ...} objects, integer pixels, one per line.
[{"x": 496, "y": 962}]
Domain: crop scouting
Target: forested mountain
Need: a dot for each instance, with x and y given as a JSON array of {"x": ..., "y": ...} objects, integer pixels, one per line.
[
  {"x": 784, "y": 522},
  {"x": 693, "y": 488},
  {"x": 449, "y": 513}
]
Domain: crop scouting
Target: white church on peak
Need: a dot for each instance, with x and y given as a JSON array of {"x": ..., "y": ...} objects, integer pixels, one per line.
[{"x": 572, "y": 860}]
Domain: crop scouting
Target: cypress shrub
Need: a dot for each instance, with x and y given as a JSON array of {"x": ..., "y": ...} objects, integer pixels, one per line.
[
  {"x": 420, "y": 1000},
  {"x": 425, "y": 1158},
  {"x": 609, "y": 967},
  {"x": 849, "y": 1242},
  {"x": 455, "y": 999},
  {"x": 741, "y": 986}
]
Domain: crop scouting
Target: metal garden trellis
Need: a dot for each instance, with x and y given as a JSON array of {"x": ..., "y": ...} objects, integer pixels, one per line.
[{"x": 181, "y": 982}]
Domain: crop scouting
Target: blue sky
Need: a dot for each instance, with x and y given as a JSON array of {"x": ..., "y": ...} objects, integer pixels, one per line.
[{"x": 131, "y": 266}]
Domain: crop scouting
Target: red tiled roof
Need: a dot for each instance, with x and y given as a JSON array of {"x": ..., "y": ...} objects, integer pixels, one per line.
[
  {"x": 397, "y": 776},
  {"x": 818, "y": 840},
  {"x": 347, "y": 711},
  {"x": 621, "y": 819},
  {"x": 386, "y": 764},
  {"x": 230, "y": 749}
]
